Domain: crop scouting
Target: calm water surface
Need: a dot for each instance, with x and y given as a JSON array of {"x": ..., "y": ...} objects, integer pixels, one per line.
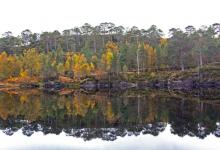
[{"x": 150, "y": 119}]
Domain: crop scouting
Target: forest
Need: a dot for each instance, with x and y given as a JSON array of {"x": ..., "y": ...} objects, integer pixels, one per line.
[{"x": 105, "y": 49}]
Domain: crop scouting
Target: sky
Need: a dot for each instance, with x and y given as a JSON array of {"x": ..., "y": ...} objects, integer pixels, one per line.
[{"x": 50, "y": 15}]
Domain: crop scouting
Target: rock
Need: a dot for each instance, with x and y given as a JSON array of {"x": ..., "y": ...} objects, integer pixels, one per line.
[
  {"x": 90, "y": 85},
  {"x": 29, "y": 86},
  {"x": 123, "y": 85},
  {"x": 142, "y": 85},
  {"x": 53, "y": 85},
  {"x": 96, "y": 85}
]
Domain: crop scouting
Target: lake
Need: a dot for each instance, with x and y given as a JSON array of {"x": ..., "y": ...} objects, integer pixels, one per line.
[{"x": 90, "y": 120}]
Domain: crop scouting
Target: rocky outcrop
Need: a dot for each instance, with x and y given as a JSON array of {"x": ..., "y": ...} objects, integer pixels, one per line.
[
  {"x": 174, "y": 84},
  {"x": 52, "y": 85},
  {"x": 117, "y": 85}
]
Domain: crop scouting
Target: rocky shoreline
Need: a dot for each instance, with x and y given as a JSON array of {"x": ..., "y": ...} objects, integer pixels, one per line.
[
  {"x": 121, "y": 85},
  {"x": 170, "y": 80}
]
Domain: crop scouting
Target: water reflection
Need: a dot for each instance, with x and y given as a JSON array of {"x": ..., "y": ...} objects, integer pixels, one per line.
[
  {"x": 165, "y": 140},
  {"x": 108, "y": 115}
]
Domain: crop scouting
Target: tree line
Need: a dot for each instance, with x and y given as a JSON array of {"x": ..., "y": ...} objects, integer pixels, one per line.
[{"x": 88, "y": 49}]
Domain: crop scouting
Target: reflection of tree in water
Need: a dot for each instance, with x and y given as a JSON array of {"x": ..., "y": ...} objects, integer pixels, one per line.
[{"x": 100, "y": 116}]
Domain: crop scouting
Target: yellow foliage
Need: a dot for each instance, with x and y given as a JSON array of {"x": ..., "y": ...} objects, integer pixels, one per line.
[
  {"x": 67, "y": 65},
  {"x": 23, "y": 74},
  {"x": 112, "y": 50},
  {"x": 151, "y": 53},
  {"x": 79, "y": 65},
  {"x": 112, "y": 46},
  {"x": 23, "y": 99},
  {"x": 60, "y": 68},
  {"x": 82, "y": 104},
  {"x": 31, "y": 62},
  {"x": 9, "y": 66},
  {"x": 107, "y": 59},
  {"x": 110, "y": 116},
  {"x": 92, "y": 67},
  {"x": 163, "y": 42}
]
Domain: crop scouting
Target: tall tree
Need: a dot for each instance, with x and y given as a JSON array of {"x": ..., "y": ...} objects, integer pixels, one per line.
[{"x": 26, "y": 37}]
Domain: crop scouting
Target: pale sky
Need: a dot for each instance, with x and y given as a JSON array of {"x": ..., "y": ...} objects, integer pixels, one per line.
[{"x": 49, "y": 15}]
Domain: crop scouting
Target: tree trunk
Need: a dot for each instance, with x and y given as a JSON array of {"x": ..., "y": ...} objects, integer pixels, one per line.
[
  {"x": 67, "y": 45},
  {"x": 94, "y": 44},
  {"x": 78, "y": 42},
  {"x": 138, "y": 71},
  {"x": 139, "y": 117},
  {"x": 182, "y": 66},
  {"x": 181, "y": 62},
  {"x": 50, "y": 45},
  {"x": 103, "y": 41},
  {"x": 55, "y": 44},
  {"x": 200, "y": 59},
  {"x": 47, "y": 46}
]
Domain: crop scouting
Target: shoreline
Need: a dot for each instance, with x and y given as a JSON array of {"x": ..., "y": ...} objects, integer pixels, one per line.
[{"x": 92, "y": 85}]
